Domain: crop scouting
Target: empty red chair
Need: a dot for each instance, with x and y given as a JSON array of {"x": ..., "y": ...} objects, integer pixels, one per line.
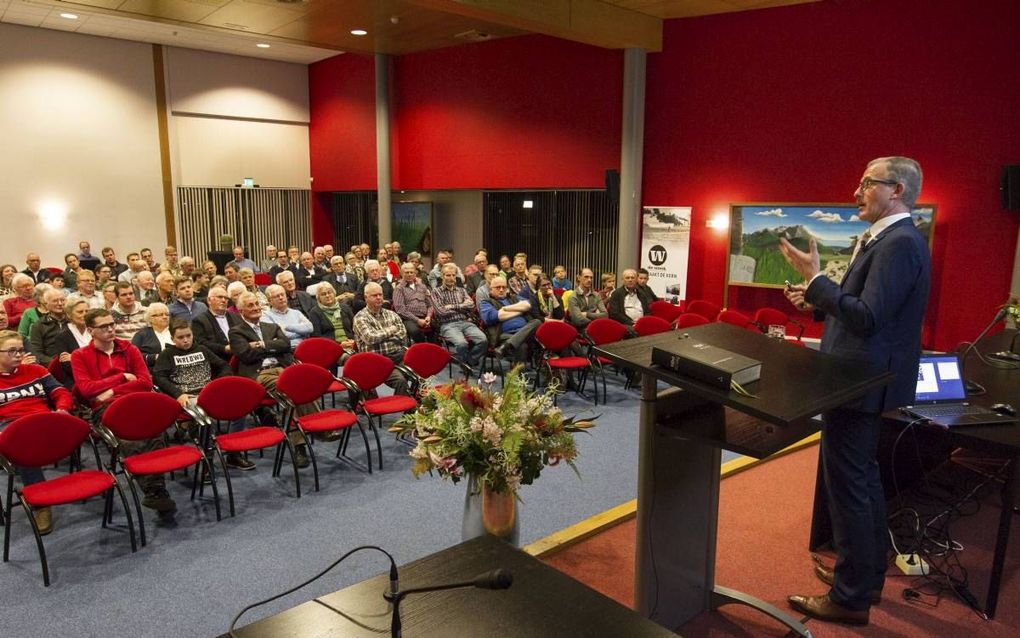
[
  {"x": 737, "y": 319},
  {"x": 229, "y": 399},
  {"x": 326, "y": 354},
  {"x": 651, "y": 325},
  {"x": 665, "y": 310},
  {"x": 38, "y": 440},
  {"x": 304, "y": 383},
  {"x": 422, "y": 361},
  {"x": 766, "y": 317},
  {"x": 146, "y": 415},
  {"x": 706, "y": 309},
  {"x": 689, "y": 320},
  {"x": 555, "y": 337},
  {"x": 363, "y": 373},
  {"x": 603, "y": 332}
]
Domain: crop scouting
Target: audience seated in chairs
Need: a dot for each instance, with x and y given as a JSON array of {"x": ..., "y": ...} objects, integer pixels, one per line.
[
  {"x": 210, "y": 329},
  {"x": 333, "y": 320},
  {"x": 344, "y": 284},
  {"x": 482, "y": 292},
  {"x": 453, "y": 308},
  {"x": 308, "y": 273},
  {"x": 32, "y": 315},
  {"x": 128, "y": 315},
  {"x": 412, "y": 301},
  {"x": 75, "y": 335},
  {"x": 27, "y": 388},
  {"x": 109, "y": 368},
  {"x": 297, "y": 299},
  {"x": 512, "y": 317},
  {"x": 374, "y": 274},
  {"x": 45, "y": 333},
  {"x": 585, "y": 305},
  {"x": 295, "y": 325},
  {"x": 626, "y": 304},
  {"x": 185, "y": 306}
]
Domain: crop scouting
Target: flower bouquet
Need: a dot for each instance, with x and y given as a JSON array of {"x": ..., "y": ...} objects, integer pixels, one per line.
[{"x": 504, "y": 439}]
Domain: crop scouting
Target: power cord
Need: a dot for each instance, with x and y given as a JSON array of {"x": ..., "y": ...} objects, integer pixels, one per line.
[{"x": 393, "y": 578}]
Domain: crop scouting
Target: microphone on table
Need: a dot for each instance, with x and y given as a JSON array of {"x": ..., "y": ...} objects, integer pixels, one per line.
[
  {"x": 493, "y": 579},
  {"x": 973, "y": 387}
]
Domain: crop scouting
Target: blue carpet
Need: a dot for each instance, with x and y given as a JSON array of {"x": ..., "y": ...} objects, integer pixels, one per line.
[{"x": 195, "y": 575}]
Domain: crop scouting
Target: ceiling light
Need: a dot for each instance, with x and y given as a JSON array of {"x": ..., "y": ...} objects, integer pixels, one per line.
[
  {"x": 359, "y": 32},
  {"x": 69, "y": 16},
  {"x": 262, "y": 45}
]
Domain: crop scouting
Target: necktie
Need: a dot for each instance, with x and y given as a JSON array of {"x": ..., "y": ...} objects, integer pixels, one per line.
[{"x": 865, "y": 238}]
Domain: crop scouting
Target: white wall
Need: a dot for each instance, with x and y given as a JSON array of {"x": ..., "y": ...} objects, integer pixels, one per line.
[
  {"x": 78, "y": 133},
  {"x": 235, "y": 117}
]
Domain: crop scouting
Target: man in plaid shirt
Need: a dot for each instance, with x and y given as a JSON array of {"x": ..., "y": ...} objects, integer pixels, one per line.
[
  {"x": 382, "y": 331},
  {"x": 411, "y": 300},
  {"x": 453, "y": 311}
]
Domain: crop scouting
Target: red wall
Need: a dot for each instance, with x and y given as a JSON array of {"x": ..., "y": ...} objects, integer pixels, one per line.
[
  {"x": 788, "y": 105},
  {"x": 525, "y": 112}
]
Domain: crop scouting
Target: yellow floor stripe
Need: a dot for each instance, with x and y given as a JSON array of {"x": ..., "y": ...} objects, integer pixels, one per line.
[{"x": 591, "y": 526}]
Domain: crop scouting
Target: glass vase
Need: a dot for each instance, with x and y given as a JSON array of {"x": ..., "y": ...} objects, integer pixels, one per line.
[{"x": 489, "y": 512}]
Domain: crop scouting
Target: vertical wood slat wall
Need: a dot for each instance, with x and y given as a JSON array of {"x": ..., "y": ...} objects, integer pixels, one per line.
[
  {"x": 255, "y": 217},
  {"x": 576, "y": 228},
  {"x": 355, "y": 219}
]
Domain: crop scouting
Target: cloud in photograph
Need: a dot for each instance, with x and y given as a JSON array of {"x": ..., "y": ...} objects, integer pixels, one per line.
[
  {"x": 775, "y": 212},
  {"x": 826, "y": 218}
]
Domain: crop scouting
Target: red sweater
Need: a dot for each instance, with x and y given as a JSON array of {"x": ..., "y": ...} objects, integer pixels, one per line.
[
  {"x": 30, "y": 389},
  {"x": 15, "y": 307},
  {"x": 96, "y": 372}
]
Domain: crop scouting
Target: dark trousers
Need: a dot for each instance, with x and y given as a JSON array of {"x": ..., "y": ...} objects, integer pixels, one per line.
[{"x": 856, "y": 505}]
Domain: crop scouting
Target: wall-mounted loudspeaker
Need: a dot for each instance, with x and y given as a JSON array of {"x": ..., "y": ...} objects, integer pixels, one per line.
[
  {"x": 1010, "y": 187},
  {"x": 613, "y": 185}
]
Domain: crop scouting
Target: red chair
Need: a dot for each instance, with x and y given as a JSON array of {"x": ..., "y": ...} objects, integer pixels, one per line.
[
  {"x": 37, "y": 440},
  {"x": 766, "y": 317},
  {"x": 555, "y": 337},
  {"x": 263, "y": 279},
  {"x": 363, "y": 373},
  {"x": 231, "y": 398},
  {"x": 737, "y": 319},
  {"x": 603, "y": 332},
  {"x": 689, "y": 320},
  {"x": 422, "y": 361},
  {"x": 146, "y": 415},
  {"x": 304, "y": 383},
  {"x": 326, "y": 354},
  {"x": 651, "y": 325},
  {"x": 706, "y": 309},
  {"x": 665, "y": 310}
]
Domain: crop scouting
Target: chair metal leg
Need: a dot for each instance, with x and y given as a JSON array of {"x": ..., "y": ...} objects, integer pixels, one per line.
[
  {"x": 226, "y": 475},
  {"x": 127, "y": 514},
  {"x": 138, "y": 506},
  {"x": 38, "y": 543},
  {"x": 208, "y": 469},
  {"x": 311, "y": 455},
  {"x": 293, "y": 462},
  {"x": 7, "y": 517}
]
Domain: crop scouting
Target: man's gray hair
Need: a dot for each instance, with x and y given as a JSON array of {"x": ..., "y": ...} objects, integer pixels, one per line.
[
  {"x": 272, "y": 290},
  {"x": 904, "y": 171},
  {"x": 371, "y": 287},
  {"x": 245, "y": 296},
  {"x": 155, "y": 307},
  {"x": 20, "y": 278}
]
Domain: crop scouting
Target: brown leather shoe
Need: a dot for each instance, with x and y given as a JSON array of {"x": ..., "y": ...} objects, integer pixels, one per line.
[
  {"x": 826, "y": 575},
  {"x": 822, "y": 608},
  {"x": 43, "y": 520}
]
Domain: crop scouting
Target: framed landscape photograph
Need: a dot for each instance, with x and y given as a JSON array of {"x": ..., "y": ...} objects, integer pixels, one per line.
[{"x": 755, "y": 230}]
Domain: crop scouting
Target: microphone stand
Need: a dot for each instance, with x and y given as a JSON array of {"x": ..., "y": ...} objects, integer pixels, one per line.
[
  {"x": 971, "y": 386},
  {"x": 495, "y": 579}
]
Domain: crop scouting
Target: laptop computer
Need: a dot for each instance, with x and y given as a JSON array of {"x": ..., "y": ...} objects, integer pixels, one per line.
[{"x": 940, "y": 397}]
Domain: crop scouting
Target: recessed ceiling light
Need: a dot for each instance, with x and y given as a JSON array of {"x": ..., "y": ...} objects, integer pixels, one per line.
[
  {"x": 359, "y": 32},
  {"x": 262, "y": 45},
  {"x": 69, "y": 16}
]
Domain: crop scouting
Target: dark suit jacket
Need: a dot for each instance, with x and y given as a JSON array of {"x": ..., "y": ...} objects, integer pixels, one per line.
[
  {"x": 351, "y": 285},
  {"x": 39, "y": 277},
  {"x": 615, "y": 305},
  {"x": 874, "y": 316},
  {"x": 207, "y": 332},
  {"x": 276, "y": 270},
  {"x": 148, "y": 343},
  {"x": 305, "y": 277},
  {"x": 249, "y": 360}
]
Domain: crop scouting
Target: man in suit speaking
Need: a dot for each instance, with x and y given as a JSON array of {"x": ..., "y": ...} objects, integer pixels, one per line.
[{"x": 872, "y": 319}]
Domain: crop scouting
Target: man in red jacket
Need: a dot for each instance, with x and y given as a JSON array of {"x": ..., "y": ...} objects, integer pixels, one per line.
[
  {"x": 109, "y": 368},
  {"x": 27, "y": 388}
]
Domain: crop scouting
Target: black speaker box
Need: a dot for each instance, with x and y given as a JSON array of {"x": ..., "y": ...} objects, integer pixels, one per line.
[
  {"x": 1011, "y": 187},
  {"x": 613, "y": 185}
]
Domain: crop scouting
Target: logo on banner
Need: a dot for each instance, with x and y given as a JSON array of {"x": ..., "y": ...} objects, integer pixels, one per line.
[{"x": 657, "y": 255}]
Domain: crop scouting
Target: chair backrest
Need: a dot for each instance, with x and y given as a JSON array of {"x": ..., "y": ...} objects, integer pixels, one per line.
[
  {"x": 665, "y": 310},
  {"x": 689, "y": 320},
  {"x": 229, "y": 398},
  {"x": 304, "y": 382},
  {"x": 319, "y": 351},
  {"x": 737, "y": 319},
  {"x": 771, "y": 317},
  {"x": 367, "y": 370},
  {"x": 263, "y": 279},
  {"x": 141, "y": 415},
  {"x": 706, "y": 309},
  {"x": 651, "y": 325},
  {"x": 37, "y": 440},
  {"x": 56, "y": 369},
  {"x": 426, "y": 359},
  {"x": 555, "y": 336},
  {"x": 603, "y": 331}
]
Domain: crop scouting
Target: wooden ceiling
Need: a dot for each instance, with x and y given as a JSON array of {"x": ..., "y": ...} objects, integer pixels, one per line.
[{"x": 404, "y": 26}]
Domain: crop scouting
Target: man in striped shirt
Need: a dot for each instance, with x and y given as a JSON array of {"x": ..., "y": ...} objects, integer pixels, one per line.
[
  {"x": 453, "y": 311},
  {"x": 382, "y": 331},
  {"x": 411, "y": 300}
]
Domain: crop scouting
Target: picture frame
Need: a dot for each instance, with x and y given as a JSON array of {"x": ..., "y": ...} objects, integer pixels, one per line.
[{"x": 754, "y": 258}]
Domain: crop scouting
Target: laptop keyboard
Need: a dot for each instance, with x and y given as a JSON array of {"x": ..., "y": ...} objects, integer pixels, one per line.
[{"x": 949, "y": 410}]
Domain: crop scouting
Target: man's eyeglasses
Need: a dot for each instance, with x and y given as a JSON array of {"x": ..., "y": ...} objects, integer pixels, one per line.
[
  {"x": 868, "y": 182},
  {"x": 14, "y": 352},
  {"x": 104, "y": 326}
]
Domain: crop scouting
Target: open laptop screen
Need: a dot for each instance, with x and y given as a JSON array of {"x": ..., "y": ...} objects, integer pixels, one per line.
[{"x": 939, "y": 379}]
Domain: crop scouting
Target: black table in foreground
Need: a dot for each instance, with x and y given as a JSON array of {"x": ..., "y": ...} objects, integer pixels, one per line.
[
  {"x": 541, "y": 602},
  {"x": 683, "y": 432}
]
